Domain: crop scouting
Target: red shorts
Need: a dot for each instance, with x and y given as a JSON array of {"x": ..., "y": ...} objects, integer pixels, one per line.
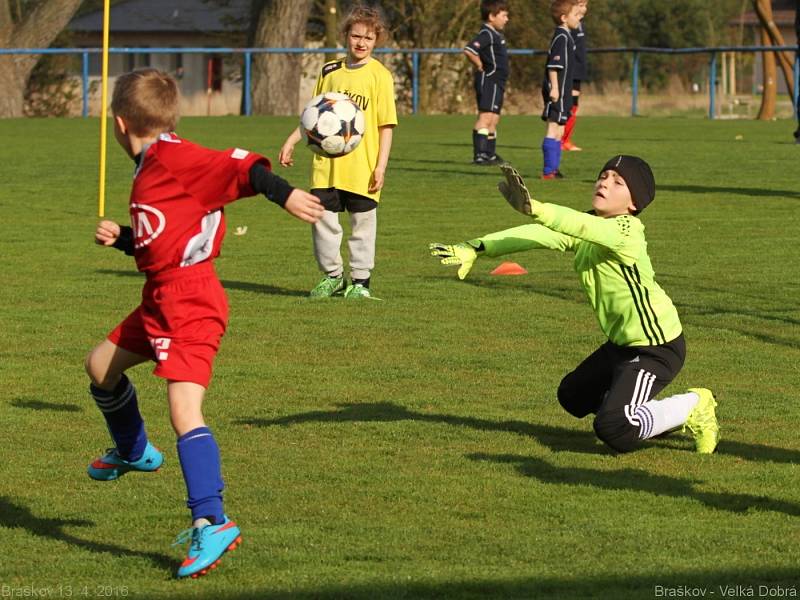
[{"x": 179, "y": 324}]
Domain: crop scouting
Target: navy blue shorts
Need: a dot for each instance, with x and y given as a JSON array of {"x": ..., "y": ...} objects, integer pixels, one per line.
[
  {"x": 489, "y": 93},
  {"x": 556, "y": 112},
  {"x": 336, "y": 200}
]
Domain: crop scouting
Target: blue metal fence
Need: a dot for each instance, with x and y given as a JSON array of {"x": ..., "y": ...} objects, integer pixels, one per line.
[{"x": 415, "y": 63}]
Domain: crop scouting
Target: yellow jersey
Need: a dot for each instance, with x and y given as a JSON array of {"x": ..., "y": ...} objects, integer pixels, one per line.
[{"x": 371, "y": 87}]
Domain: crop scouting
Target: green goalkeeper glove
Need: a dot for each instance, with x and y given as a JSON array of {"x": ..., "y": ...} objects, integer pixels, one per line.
[
  {"x": 515, "y": 191},
  {"x": 462, "y": 254}
]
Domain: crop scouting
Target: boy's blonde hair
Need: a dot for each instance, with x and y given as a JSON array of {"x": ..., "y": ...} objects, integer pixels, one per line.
[
  {"x": 369, "y": 16},
  {"x": 560, "y": 8},
  {"x": 147, "y": 99}
]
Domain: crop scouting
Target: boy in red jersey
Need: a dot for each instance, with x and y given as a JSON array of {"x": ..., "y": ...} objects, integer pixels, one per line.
[{"x": 176, "y": 207}]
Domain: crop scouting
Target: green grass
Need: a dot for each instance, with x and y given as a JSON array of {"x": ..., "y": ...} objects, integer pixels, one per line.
[{"x": 412, "y": 448}]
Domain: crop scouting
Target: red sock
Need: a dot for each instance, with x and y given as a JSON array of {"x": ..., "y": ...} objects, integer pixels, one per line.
[{"x": 565, "y": 139}]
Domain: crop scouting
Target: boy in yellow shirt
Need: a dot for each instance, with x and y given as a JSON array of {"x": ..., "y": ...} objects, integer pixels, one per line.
[{"x": 352, "y": 182}]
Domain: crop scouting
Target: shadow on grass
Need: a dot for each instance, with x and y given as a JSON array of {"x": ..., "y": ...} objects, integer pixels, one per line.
[
  {"x": 575, "y": 295},
  {"x": 244, "y": 286},
  {"x": 15, "y": 516},
  {"x": 625, "y": 586},
  {"x": 31, "y": 404},
  {"x": 738, "y": 191},
  {"x": 751, "y": 452},
  {"x": 557, "y": 439},
  {"x": 638, "y": 481}
]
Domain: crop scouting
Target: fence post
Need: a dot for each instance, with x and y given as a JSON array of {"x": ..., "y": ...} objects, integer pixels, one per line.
[
  {"x": 796, "y": 94},
  {"x": 248, "y": 107},
  {"x": 635, "y": 86},
  {"x": 712, "y": 86},
  {"x": 415, "y": 82},
  {"x": 85, "y": 80}
]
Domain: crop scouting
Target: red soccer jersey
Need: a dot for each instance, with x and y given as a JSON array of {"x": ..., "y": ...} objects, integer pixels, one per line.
[{"x": 176, "y": 202}]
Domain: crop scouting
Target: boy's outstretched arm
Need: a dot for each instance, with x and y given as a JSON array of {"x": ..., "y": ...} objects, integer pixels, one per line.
[
  {"x": 298, "y": 203},
  {"x": 304, "y": 206},
  {"x": 463, "y": 254},
  {"x": 109, "y": 233},
  {"x": 614, "y": 234}
]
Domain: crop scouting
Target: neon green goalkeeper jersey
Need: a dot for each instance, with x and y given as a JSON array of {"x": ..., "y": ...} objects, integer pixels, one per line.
[{"x": 612, "y": 262}]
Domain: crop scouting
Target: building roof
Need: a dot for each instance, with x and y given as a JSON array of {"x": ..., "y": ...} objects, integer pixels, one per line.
[{"x": 206, "y": 16}]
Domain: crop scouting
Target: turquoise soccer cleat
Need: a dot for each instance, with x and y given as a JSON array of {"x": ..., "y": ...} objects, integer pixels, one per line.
[
  {"x": 112, "y": 466},
  {"x": 208, "y": 544}
]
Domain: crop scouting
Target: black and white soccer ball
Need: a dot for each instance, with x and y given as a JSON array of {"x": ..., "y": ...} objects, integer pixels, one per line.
[{"x": 332, "y": 124}]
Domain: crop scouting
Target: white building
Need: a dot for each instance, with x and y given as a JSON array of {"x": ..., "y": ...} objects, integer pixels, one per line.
[{"x": 211, "y": 84}]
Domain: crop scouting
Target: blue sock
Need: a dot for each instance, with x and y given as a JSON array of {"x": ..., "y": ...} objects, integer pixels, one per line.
[
  {"x": 121, "y": 411},
  {"x": 557, "y": 151},
  {"x": 551, "y": 150},
  {"x": 199, "y": 456}
]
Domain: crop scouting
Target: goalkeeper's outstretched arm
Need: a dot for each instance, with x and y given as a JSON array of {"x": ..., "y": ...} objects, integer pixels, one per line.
[{"x": 463, "y": 254}]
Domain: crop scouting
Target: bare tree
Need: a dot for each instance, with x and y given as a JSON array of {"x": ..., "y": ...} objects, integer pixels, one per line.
[
  {"x": 763, "y": 10},
  {"x": 768, "y": 99},
  {"x": 331, "y": 27},
  {"x": 27, "y": 25},
  {"x": 276, "y": 77}
]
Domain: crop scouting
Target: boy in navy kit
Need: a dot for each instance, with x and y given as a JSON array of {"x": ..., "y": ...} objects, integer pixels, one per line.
[
  {"x": 579, "y": 75},
  {"x": 176, "y": 208},
  {"x": 557, "y": 85},
  {"x": 488, "y": 53}
]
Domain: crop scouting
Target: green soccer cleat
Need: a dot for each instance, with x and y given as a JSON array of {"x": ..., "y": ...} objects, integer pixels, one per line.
[
  {"x": 702, "y": 422},
  {"x": 327, "y": 287},
  {"x": 358, "y": 291}
]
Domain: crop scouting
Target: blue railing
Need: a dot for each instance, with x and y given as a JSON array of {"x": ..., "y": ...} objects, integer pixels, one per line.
[{"x": 415, "y": 63}]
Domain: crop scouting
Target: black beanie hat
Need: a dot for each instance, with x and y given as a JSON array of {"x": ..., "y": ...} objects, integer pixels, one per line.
[{"x": 637, "y": 176}]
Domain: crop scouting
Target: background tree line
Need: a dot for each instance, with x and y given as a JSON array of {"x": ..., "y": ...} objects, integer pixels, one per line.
[{"x": 412, "y": 23}]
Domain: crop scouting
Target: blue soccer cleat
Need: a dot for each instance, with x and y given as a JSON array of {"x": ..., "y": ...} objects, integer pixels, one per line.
[
  {"x": 112, "y": 466},
  {"x": 208, "y": 544}
]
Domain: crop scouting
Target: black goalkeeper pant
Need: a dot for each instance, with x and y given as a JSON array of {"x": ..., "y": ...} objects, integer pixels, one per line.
[{"x": 613, "y": 381}]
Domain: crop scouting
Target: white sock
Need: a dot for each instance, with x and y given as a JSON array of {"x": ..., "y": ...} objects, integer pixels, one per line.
[
  {"x": 658, "y": 416},
  {"x": 200, "y": 523}
]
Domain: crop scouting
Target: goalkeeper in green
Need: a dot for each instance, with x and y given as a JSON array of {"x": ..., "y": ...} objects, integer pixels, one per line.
[{"x": 645, "y": 348}]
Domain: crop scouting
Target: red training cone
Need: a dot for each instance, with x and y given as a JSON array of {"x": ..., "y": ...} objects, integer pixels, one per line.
[{"x": 509, "y": 268}]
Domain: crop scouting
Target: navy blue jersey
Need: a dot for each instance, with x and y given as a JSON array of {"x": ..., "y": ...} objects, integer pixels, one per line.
[
  {"x": 560, "y": 58},
  {"x": 581, "y": 66},
  {"x": 490, "y": 46}
]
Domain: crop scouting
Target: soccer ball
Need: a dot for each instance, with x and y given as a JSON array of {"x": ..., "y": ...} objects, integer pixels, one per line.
[{"x": 332, "y": 124}]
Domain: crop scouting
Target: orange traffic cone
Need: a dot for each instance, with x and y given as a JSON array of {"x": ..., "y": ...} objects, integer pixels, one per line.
[{"x": 509, "y": 268}]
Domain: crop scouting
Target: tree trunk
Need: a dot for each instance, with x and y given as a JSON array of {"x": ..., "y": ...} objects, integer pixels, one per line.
[
  {"x": 37, "y": 29},
  {"x": 276, "y": 77},
  {"x": 768, "y": 99},
  {"x": 331, "y": 27},
  {"x": 764, "y": 11}
]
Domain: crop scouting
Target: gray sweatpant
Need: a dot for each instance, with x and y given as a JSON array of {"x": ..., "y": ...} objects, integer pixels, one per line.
[{"x": 327, "y": 236}]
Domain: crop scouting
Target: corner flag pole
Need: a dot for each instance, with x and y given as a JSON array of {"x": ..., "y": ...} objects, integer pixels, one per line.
[{"x": 101, "y": 207}]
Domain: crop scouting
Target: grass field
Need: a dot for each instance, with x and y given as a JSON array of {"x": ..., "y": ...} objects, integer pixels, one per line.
[{"x": 412, "y": 448}]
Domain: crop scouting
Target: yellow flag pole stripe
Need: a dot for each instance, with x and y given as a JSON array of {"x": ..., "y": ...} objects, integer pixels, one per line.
[{"x": 101, "y": 207}]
